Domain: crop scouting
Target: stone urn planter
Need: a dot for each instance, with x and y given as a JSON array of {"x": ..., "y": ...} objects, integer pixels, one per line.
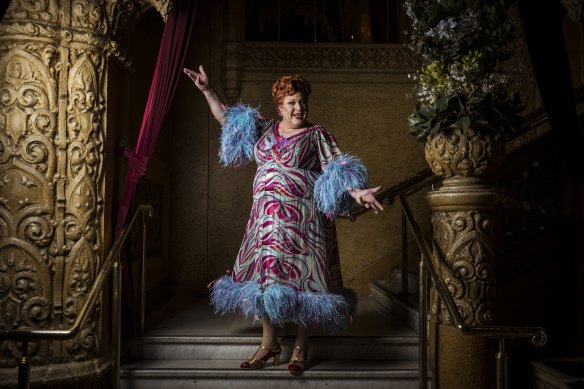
[
  {"x": 464, "y": 217},
  {"x": 474, "y": 153}
]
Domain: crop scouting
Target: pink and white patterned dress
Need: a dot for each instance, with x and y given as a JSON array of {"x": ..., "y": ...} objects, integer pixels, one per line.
[{"x": 288, "y": 265}]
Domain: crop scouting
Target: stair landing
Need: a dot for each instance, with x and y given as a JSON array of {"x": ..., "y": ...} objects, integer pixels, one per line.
[{"x": 187, "y": 346}]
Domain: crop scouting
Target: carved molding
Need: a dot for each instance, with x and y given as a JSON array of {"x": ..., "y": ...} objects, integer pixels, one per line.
[
  {"x": 373, "y": 58},
  {"x": 452, "y": 152},
  {"x": 122, "y": 16},
  {"x": 163, "y": 7}
]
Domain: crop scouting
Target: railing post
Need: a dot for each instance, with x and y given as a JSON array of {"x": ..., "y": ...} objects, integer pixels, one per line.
[
  {"x": 24, "y": 368},
  {"x": 404, "y": 254},
  {"x": 422, "y": 331},
  {"x": 502, "y": 365},
  {"x": 142, "y": 305},
  {"x": 117, "y": 317}
]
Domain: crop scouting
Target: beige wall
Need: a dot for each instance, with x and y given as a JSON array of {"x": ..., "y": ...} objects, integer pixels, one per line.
[{"x": 364, "y": 109}]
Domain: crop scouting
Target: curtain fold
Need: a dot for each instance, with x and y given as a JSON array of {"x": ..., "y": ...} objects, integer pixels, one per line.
[{"x": 171, "y": 57}]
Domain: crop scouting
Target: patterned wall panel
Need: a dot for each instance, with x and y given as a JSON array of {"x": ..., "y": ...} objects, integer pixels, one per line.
[{"x": 53, "y": 65}]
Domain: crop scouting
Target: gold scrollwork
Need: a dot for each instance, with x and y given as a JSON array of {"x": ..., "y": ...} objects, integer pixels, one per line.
[
  {"x": 26, "y": 96},
  {"x": 88, "y": 15},
  {"x": 37, "y": 230},
  {"x": 38, "y": 151},
  {"x": 466, "y": 238},
  {"x": 24, "y": 289},
  {"x": 82, "y": 346},
  {"x": 20, "y": 188},
  {"x": 41, "y": 10},
  {"x": 54, "y": 53}
]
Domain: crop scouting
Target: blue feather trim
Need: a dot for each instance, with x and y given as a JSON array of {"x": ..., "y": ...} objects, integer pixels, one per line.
[
  {"x": 329, "y": 311},
  {"x": 331, "y": 190},
  {"x": 239, "y": 135}
]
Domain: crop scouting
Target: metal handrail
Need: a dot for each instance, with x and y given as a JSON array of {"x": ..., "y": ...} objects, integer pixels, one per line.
[
  {"x": 388, "y": 195},
  {"x": 111, "y": 262}
]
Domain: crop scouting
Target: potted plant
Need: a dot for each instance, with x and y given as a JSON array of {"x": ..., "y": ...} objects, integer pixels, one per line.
[{"x": 464, "y": 110}]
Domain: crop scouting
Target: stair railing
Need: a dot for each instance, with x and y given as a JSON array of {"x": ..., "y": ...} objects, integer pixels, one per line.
[
  {"x": 538, "y": 335},
  {"x": 112, "y": 263},
  {"x": 412, "y": 185}
]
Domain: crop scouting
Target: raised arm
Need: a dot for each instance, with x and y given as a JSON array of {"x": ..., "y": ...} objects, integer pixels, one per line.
[{"x": 201, "y": 81}]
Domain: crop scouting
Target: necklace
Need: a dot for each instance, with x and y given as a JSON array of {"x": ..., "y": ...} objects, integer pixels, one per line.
[{"x": 281, "y": 141}]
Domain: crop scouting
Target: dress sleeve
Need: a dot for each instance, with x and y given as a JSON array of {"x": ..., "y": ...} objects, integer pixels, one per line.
[
  {"x": 239, "y": 134},
  {"x": 341, "y": 172}
]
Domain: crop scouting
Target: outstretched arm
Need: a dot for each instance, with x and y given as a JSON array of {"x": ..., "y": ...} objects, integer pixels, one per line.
[{"x": 201, "y": 81}]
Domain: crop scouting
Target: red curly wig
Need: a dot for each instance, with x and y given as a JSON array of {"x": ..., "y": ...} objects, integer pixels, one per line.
[{"x": 287, "y": 86}]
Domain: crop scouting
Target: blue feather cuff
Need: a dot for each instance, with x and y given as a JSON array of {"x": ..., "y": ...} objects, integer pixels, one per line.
[
  {"x": 239, "y": 135},
  {"x": 331, "y": 190},
  {"x": 281, "y": 304}
]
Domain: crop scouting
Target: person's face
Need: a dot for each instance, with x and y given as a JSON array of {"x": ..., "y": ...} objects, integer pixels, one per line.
[{"x": 294, "y": 110}]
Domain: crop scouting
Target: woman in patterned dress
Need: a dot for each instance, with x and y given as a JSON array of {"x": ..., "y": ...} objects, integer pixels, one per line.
[{"x": 287, "y": 268}]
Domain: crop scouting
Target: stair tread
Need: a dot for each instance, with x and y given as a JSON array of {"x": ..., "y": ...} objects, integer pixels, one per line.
[
  {"x": 392, "y": 289},
  {"x": 253, "y": 340},
  {"x": 186, "y": 367},
  {"x": 220, "y": 348}
]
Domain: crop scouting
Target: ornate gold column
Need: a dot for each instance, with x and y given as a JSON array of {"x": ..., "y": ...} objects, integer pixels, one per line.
[
  {"x": 464, "y": 219},
  {"x": 53, "y": 77}
]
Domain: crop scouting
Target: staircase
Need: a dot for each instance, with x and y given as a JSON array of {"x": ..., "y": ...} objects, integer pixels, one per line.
[
  {"x": 364, "y": 356},
  {"x": 387, "y": 298}
]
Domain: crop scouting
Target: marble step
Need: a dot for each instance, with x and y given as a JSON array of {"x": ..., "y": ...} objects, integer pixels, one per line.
[
  {"x": 212, "y": 374},
  {"x": 386, "y": 299},
  {"x": 240, "y": 348}
]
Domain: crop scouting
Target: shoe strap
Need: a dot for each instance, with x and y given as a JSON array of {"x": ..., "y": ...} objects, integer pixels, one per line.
[
  {"x": 276, "y": 348},
  {"x": 296, "y": 358}
]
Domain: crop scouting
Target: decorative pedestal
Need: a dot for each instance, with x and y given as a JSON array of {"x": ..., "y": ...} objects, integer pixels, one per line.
[
  {"x": 464, "y": 214},
  {"x": 463, "y": 220}
]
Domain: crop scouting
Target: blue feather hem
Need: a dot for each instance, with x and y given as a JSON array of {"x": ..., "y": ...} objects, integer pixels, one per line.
[
  {"x": 331, "y": 189},
  {"x": 329, "y": 311},
  {"x": 239, "y": 135}
]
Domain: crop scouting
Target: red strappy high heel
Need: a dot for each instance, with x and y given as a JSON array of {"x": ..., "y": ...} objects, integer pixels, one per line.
[
  {"x": 297, "y": 365},
  {"x": 253, "y": 363}
]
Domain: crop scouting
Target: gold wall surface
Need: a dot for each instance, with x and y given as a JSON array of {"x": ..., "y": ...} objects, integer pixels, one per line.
[{"x": 53, "y": 96}]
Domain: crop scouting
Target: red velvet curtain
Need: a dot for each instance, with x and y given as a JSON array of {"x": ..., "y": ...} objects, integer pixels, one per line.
[{"x": 171, "y": 56}]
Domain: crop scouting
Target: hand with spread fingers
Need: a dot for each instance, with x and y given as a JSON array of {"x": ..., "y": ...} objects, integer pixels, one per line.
[
  {"x": 200, "y": 79},
  {"x": 366, "y": 198}
]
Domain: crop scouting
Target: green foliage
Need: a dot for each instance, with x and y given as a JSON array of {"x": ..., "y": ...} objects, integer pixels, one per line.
[
  {"x": 497, "y": 112},
  {"x": 463, "y": 44}
]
